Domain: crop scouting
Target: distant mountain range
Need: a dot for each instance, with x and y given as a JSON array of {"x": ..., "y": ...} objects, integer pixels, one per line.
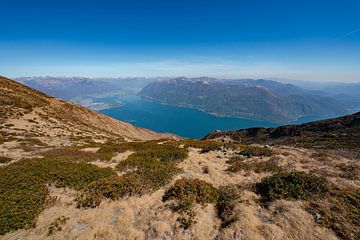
[
  {"x": 265, "y": 100},
  {"x": 245, "y": 98},
  {"x": 69, "y": 88}
]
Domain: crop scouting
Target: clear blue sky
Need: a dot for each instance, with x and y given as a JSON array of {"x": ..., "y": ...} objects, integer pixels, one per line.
[{"x": 311, "y": 40}]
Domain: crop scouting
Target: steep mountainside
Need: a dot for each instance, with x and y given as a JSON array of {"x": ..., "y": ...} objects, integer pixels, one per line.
[
  {"x": 260, "y": 100},
  {"x": 337, "y": 133},
  {"x": 28, "y": 112}
]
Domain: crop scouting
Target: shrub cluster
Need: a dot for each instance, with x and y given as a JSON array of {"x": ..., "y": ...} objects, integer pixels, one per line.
[
  {"x": 161, "y": 149},
  {"x": 228, "y": 198},
  {"x": 152, "y": 166},
  {"x": 23, "y": 189},
  {"x": 292, "y": 186},
  {"x": 333, "y": 207},
  {"x": 189, "y": 192}
]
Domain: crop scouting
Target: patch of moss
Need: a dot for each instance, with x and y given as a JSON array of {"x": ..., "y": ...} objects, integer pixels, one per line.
[
  {"x": 23, "y": 189},
  {"x": 292, "y": 186}
]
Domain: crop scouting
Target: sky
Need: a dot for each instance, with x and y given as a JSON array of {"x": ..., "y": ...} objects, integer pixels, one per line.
[{"x": 313, "y": 40}]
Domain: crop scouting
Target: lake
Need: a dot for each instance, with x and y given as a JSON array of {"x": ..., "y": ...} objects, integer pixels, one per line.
[{"x": 185, "y": 122}]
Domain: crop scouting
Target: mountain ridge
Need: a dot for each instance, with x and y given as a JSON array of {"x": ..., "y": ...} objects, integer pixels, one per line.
[{"x": 253, "y": 99}]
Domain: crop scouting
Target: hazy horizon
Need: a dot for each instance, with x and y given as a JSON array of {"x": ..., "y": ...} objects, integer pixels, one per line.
[{"x": 312, "y": 41}]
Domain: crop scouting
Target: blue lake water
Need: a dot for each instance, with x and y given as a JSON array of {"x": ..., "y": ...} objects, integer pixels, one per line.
[{"x": 184, "y": 122}]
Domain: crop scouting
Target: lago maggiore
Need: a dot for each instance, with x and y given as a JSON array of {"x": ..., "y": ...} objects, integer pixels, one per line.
[{"x": 185, "y": 122}]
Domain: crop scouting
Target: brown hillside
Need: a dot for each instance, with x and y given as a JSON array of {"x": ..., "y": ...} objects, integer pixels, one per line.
[{"x": 27, "y": 112}]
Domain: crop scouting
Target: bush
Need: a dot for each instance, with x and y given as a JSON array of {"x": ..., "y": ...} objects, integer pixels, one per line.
[
  {"x": 152, "y": 166},
  {"x": 23, "y": 189},
  {"x": 166, "y": 151},
  {"x": 152, "y": 172},
  {"x": 188, "y": 192},
  {"x": 292, "y": 186},
  {"x": 228, "y": 198},
  {"x": 114, "y": 187}
]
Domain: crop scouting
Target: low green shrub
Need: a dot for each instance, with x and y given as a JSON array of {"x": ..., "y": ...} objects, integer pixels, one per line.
[
  {"x": 188, "y": 192},
  {"x": 165, "y": 151},
  {"x": 292, "y": 186},
  {"x": 152, "y": 172},
  {"x": 23, "y": 189},
  {"x": 152, "y": 166},
  {"x": 228, "y": 198}
]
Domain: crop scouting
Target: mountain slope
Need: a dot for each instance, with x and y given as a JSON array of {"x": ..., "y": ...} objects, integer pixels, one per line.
[
  {"x": 260, "y": 100},
  {"x": 336, "y": 133},
  {"x": 24, "y": 111},
  {"x": 102, "y": 187}
]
